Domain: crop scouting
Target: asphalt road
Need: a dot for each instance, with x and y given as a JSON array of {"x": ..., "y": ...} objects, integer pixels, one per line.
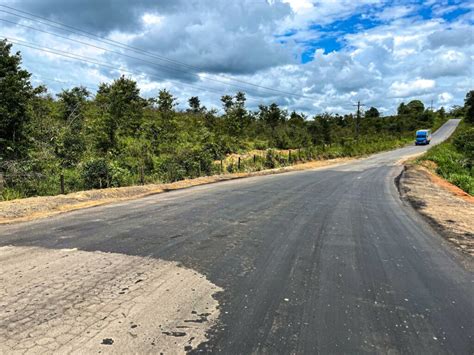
[{"x": 320, "y": 261}]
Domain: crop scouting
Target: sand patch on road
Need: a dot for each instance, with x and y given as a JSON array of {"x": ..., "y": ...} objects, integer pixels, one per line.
[
  {"x": 449, "y": 208},
  {"x": 70, "y": 301}
]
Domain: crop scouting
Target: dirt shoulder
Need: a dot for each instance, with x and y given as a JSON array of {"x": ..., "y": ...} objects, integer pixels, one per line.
[
  {"x": 45, "y": 206},
  {"x": 448, "y": 208}
]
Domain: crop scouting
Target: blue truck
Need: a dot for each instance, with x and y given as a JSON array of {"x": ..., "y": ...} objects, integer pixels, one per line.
[{"x": 423, "y": 136}]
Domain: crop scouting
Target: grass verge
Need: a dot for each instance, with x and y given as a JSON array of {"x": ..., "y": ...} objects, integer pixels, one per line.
[{"x": 453, "y": 160}]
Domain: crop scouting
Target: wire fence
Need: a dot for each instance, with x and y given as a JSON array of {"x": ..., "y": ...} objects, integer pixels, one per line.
[{"x": 22, "y": 179}]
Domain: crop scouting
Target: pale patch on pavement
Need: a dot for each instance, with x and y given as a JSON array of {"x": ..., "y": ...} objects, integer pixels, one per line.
[{"x": 70, "y": 301}]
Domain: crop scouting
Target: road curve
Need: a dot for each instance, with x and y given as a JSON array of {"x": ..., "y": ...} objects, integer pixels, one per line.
[{"x": 320, "y": 261}]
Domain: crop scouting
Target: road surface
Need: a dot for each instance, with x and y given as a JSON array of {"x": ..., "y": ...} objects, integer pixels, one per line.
[{"x": 320, "y": 261}]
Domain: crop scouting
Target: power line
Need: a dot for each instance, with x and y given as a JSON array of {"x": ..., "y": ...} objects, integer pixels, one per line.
[
  {"x": 65, "y": 27},
  {"x": 121, "y": 54},
  {"x": 93, "y": 61}
]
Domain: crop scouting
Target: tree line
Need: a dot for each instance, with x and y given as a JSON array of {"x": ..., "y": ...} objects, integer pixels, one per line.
[{"x": 116, "y": 137}]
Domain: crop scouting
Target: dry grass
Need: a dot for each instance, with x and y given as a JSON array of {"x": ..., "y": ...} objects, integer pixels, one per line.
[{"x": 40, "y": 207}]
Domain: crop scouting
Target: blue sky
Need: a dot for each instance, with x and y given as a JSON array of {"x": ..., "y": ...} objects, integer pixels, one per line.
[
  {"x": 330, "y": 37},
  {"x": 330, "y": 53}
]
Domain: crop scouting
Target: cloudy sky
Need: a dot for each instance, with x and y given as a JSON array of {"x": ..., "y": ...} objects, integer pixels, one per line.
[{"x": 307, "y": 55}]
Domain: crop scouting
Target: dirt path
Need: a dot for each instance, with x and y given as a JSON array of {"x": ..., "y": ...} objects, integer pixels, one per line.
[
  {"x": 448, "y": 208},
  {"x": 40, "y": 207},
  {"x": 70, "y": 301}
]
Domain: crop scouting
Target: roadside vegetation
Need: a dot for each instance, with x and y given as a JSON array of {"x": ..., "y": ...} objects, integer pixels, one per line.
[
  {"x": 78, "y": 140},
  {"x": 454, "y": 159}
]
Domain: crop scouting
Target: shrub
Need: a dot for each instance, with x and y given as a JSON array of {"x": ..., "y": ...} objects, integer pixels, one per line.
[
  {"x": 119, "y": 176},
  {"x": 183, "y": 165},
  {"x": 464, "y": 181},
  {"x": 454, "y": 158},
  {"x": 11, "y": 194},
  {"x": 95, "y": 173},
  {"x": 271, "y": 160},
  {"x": 464, "y": 142}
]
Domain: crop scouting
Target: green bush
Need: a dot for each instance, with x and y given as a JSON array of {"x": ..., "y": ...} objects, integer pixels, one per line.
[
  {"x": 464, "y": 142},
  {"x": 464, "y": 181},
  {"x": 271, "y": 160},
  {"x": 454, "y": 158},
  {"x": 73, "y": 180},
  {"x": 95, "y": 174},
  {"x": 11, "y": 194},
  {"x": 119, "y": 176},
  {"x": 261, "y": 144},
  {"x": 184, "y": 165}
]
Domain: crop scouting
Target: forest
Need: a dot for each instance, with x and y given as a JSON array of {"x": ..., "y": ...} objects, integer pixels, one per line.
[{"x": 78, "y": 140}]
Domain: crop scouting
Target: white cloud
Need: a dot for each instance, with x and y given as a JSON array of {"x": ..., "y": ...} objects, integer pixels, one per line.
[
  {"x": 447, "y": 63},
  {"x": 395, "y": 12},
  {"x": 401, "y": 58},
  {"x": 445, "y": 98},
  {"x": 300, "y": 6},
  {"x": 152, "y": 19},
  {"x": 410, "y": 88}
]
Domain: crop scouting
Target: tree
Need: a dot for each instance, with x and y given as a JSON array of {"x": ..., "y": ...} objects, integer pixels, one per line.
[
  {"x": 72, "y": 102},
  {"x": 441, "y": 113},
  {"x": 372, "y": 113},
  {"x": 70, "y": 144},
  {"x": 457, "y": 111},
  {"x": 415, "y": 107},
  {"x": 272, "y": 115},
  {"x": 298, "y": 133},
  {"x": 167, "y": 124},
  {"x": 326, "y": 128},
  {"x": 15, "y": 94},
  {"x": 121, "y": 111},
  {"x": 195, "y": 104},
  {"x": 166, "y": 101},
  {"x": 427, "y": 117},
  {"x": 227, "y": 102},
  {"x": 402, "y": 109},
  {"x": 240, "y": 112},
  {"x": 469, "y": 107},
  {"x": 236, "y": 117}
]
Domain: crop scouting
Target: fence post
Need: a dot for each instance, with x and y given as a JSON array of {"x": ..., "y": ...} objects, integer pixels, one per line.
[
  {"x": 142, "y": 176},
  {"x": 222, "y": 167},
  {"x": 2, "y": 184},
  {"x": 61, "y": 178},
  {"x": 238, "y": 164},
  {"x": 254, "y": 159},
  {"x": 289, "y": 156}
]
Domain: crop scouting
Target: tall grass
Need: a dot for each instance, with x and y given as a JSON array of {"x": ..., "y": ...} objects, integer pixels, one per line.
[{"x": 454, "y": 158}]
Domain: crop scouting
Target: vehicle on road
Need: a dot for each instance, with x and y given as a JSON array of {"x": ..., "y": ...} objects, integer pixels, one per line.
[{"x": 423, "y": 136}]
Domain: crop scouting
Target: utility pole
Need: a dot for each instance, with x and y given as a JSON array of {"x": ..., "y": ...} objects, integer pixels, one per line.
[{"x": 358, "y": 119}]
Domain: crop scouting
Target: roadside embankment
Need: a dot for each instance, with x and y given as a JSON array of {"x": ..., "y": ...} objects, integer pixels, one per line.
[
  {"x": 448, "y": 208},
  {"x": 44, "y": 206}
]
